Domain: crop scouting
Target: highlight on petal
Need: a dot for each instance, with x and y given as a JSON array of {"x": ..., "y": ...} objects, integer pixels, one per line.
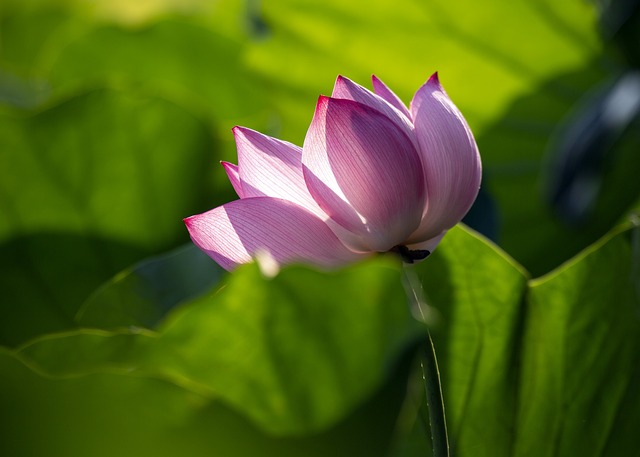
[
  {"x": 236, "y": 232},
  {"x": 364, "y": 172},
  {"x": 346, "y": 89},
  {"x": 272, "y": 168},
  {"x": 450, "y": 159},
  {"x": 382, "y": 90},
  {"x": 234, "y": 177}
]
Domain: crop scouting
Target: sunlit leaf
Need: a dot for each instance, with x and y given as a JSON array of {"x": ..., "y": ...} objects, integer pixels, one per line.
[
  {"x": 479, "y": 292},
  {"x": 581, "y": 355},
  {"x": 107, "y": 414},
  {"x": 539, "y": 367},
  {"x": 182, "y": 61},
  {"x": 294, "y": 353}
]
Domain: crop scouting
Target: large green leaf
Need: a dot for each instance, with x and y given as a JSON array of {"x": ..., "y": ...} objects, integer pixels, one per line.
[
  {"x": 70, "y": 50},
  {"x": 183, "y": 61},
  {"x": 87, "y": 187},
  {"x": 294, "y": 353},
  {"x": 530, "y": 367},
  {"x": 482, "y": 57},
  {"x": 108, "y": 414},
  {"x": 581, "y": 355},
  {"x": 539, "y": 367},
  {"x": 479, "y": 292}
]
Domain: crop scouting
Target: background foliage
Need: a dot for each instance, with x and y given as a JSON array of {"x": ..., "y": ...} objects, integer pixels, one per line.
[{"x": 113, "y": 116}]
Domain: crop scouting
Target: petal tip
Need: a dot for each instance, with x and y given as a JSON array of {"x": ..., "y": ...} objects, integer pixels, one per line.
[
  {"x": 339, "y": 86},
  {"x": 434, "y": 81},
  {"x": 323, "y": 101},
  {"x": 377, "y": 85},
  {"x": 238, "y": 131}
]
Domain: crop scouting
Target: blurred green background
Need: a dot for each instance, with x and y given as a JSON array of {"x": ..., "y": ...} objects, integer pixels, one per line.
[{"x": 113, "y": 118}]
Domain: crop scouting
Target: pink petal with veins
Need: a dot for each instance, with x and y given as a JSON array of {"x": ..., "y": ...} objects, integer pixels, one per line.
[
  {"x": 383, "y": 91},
  {"x": 450, "y": 159},
  {"x": 236, "y": 232},
  {"x": 234, "y": 177},
  {"x": 269, "y": 167},
  {"x": 346, "y": 89},
  {"x": 364, "y": 172}
]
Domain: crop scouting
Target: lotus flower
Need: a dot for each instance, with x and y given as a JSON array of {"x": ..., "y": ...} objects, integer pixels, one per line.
[{"x": 372, "y": 176}]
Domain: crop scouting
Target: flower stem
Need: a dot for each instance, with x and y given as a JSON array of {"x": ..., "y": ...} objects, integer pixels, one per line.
[
  {"x": 430, "y": 371},
  {"x": 435, "y": 402}
]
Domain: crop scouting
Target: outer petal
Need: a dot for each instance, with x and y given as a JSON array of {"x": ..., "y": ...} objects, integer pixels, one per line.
[
  {"x": 236, "y": 232},
  {"x": 346, "y": 89},
  {"x": 234, "y": 177},
  {"x": 383, "y": 91},
  {"x": 364, "y": 173},
  {"x": 450, "y": 158},
  {"x": 272, "y": 168}
]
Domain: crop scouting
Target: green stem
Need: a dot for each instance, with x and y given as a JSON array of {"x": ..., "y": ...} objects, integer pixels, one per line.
[
  {"x": 435, "y": 402},
  {"x": 430, "y": 373}
]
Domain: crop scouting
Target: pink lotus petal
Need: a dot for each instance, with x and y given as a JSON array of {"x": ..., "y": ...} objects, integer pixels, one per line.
[
  {"x": 272, "y": 168},
  {"x": 346, "y": 89},
  {"x": 234, "y": 177},
  {"x": 236, "y": 232},
  {"x": 450, "y": 158},
  {"x": 383, "y": 91},
  {"x": 364, "y": 173}
]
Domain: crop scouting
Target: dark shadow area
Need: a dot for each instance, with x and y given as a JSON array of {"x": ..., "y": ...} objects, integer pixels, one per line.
[
  {"x": 113, "y": 414},
  {"x": 45, "y": 277},
  {"x": 143, "y": 294},
  {"x": 516, "y": 162}
]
